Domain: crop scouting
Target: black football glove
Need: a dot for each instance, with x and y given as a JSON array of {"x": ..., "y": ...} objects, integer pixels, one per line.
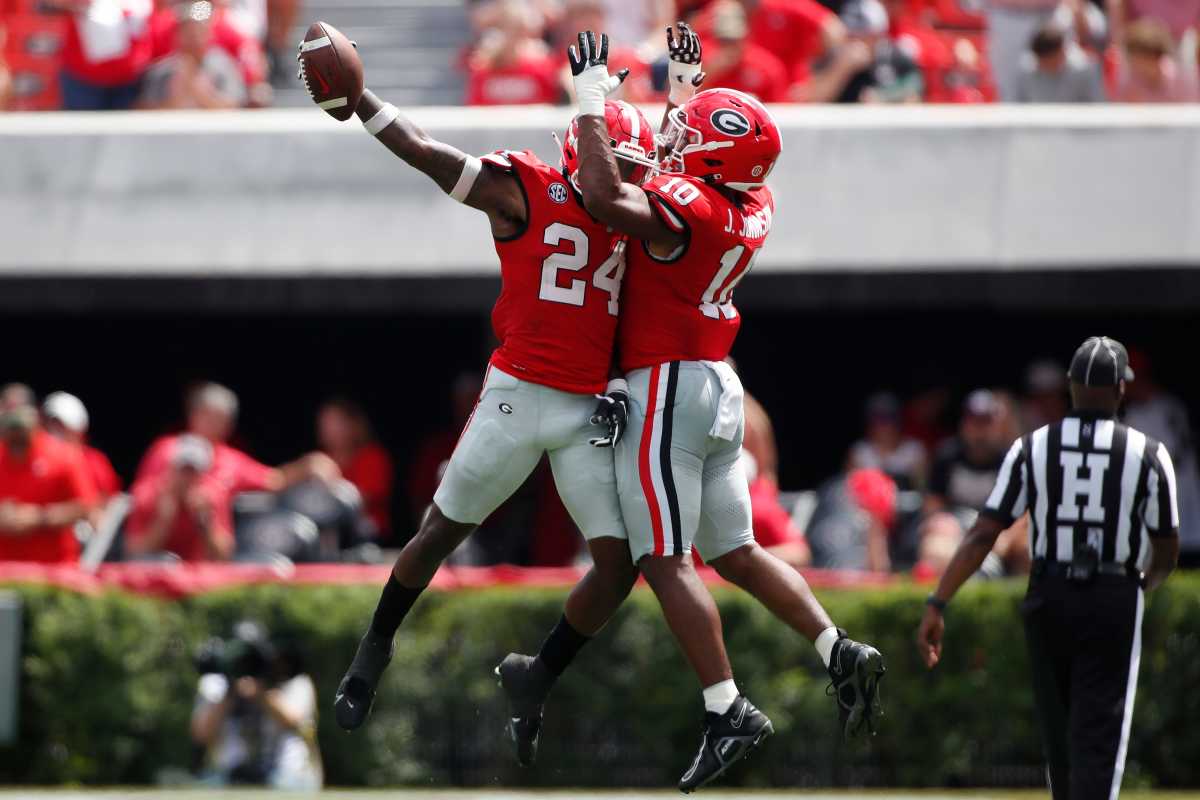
[
  {"x": 612, "y": 412},
  {"x": 684, "y": 74}
]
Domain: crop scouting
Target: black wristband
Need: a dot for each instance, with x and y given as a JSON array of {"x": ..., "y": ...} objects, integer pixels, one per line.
[{"x": 933, "y": 602}]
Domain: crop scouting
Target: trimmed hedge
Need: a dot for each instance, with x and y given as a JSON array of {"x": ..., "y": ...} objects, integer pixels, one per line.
[{"x": 108, "y": 686}]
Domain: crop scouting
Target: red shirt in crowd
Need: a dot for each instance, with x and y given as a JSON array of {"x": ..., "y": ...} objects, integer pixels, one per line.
[
  {"x": 109, "y": 50},
  {"x": 772, "y": 523},
  {"x": 185, "y": 537},
  {"x": 51, "y": 472},
  {"x": 247, "y": 52},
  {"x": 231, "y": 468},
  {"x": 371, "y": 472},
  {"x": 789, "y": 29},
  {"x": 101, "y": 472},
  {"x": 529, "y": 80},
  {"x": 231, "y": 473},
  {"x": 757, "y": 72}
]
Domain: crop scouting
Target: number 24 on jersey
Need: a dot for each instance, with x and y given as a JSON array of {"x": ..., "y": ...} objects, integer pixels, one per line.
[{"x": 607, "y": 277}]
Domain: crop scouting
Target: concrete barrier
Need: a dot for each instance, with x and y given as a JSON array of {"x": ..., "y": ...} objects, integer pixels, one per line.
[{"x": 293, "y": 193}]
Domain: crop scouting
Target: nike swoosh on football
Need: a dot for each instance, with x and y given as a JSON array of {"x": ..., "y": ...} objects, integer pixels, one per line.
[{"x": 321, "y": 78}]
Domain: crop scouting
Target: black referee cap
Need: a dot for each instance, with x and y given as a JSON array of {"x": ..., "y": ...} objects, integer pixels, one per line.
[{"x": 1100, "y": 361}]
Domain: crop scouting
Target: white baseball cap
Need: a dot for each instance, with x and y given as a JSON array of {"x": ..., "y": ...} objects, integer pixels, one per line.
[
  {"x": 192, "y": 451},
  {"x": 67, "y": 409}
]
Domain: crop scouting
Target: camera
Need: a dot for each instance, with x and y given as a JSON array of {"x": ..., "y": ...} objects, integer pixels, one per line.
[{"x": 248, "y": 653}]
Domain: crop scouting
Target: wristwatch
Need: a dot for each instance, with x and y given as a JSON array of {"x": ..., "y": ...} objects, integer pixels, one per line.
[{"x": 940, "y": 605}]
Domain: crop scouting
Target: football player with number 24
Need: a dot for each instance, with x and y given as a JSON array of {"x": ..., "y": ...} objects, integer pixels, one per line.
[{"x": 556, "y": 320}]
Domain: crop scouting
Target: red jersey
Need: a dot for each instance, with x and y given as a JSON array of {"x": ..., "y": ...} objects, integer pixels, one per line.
[
  {"x": 529, "y": 80},
  {"x": 789, "y": 29},
  {"x": 50, "y": 472},
  {"x": 757, "y": 73},
  {"x": 370, "y": 470},
  {"x": 112, "y": 50},
  {"x": 556, "y": 317},
  {"x": 680, "y": 308}
]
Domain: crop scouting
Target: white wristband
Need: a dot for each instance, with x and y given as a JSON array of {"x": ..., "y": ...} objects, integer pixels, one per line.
[
  {"x": 617, "y": 385},
  {"x": 466, "y": 179},
  {"x": 680, "y": 93},
  {"x": 382, "y": 118}
]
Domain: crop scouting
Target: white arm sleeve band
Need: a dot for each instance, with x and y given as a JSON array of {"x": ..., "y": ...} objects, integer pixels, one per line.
[
  {"x": 466, "y": 180},
  {"x": 382, "y": 118},
  {"x": 617, "y": 385}
]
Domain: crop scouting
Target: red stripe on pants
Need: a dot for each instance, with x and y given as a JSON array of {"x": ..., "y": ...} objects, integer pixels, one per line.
[{"x": 644, "y": 463}]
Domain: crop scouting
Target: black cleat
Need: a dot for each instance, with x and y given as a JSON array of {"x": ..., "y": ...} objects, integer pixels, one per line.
[
  {"x": 855, "y": 670},
  {"x": 356, "y": 692},
  {"x": 525, "y": 682},
  {"x": 728, "y": 737}
]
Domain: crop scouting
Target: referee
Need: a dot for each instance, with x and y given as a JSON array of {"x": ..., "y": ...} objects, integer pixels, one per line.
[{"x": 1103, "y": 525}]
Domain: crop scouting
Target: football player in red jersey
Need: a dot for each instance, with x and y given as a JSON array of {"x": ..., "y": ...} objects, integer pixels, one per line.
[
  {"x": 700, "y": 226},
  {"x": 555, "y": 319}
]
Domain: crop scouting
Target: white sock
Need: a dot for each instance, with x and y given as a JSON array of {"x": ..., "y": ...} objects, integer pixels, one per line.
[
  {"x": 824, "y": 643},
  {"x": 720, "y": 696}
]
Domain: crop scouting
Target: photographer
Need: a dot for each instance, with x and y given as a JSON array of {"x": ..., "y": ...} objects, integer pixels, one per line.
[{"x": 255, "y": 715}]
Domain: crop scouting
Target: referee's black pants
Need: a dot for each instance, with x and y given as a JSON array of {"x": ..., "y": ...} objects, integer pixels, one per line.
[{"x": 1085, "y": 643}]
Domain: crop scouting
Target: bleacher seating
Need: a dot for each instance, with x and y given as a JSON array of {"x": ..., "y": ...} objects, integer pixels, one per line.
[{"x": 406, "y": 47}]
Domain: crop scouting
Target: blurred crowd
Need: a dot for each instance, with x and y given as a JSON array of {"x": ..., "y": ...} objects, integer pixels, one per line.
[
  {"x": 908, "y": 491},
  {"x": 853, "y": 51},
  {"x": 98, "y": 55},
  {"x": 115, "y": 54},
  {"x": 912, "y": 485}
]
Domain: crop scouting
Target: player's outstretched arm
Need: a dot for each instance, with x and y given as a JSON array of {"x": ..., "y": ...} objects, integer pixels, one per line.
[
  {"x": 456, "y": 173},
  {"x": 684, "y": 73},
  {"x": 623, "y": 206}
]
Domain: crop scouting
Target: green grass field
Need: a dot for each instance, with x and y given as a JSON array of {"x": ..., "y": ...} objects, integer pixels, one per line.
[{"x": 478, "y": 794}]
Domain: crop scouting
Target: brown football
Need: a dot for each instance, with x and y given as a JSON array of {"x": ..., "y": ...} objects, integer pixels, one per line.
[{"x": 331, "y": 70}]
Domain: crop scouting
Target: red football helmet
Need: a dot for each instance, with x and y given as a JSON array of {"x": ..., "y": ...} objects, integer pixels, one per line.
[
  {"x": 631, "y": 137},
  {"x": 723, "y": 136}
]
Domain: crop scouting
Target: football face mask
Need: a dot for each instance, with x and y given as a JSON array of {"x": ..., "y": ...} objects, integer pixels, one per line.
[{"x": 630, "y": 136}]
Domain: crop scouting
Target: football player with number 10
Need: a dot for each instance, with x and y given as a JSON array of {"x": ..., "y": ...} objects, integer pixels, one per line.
[{"x": 698, "y": 227}]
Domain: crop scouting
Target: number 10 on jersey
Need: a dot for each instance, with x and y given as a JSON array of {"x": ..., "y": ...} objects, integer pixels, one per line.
[{"x": 717, "y": 302}]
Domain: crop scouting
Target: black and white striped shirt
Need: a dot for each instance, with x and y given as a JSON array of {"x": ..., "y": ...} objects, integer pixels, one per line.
[{"x": 1088, "y": 480}]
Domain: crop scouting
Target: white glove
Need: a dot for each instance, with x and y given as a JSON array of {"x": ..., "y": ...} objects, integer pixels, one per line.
[
  {"x": 683, "y": 69},
  {"x": 589, "y": 71}
]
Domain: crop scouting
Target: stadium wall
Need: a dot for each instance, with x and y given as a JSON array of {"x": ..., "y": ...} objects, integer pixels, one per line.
[
  {"x": 293, "y": 193},
  {"x": 626, "y": 714}
]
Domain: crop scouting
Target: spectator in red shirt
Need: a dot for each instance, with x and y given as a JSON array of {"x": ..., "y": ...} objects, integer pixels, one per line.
[
  {"x": 199, "y": 73},
  {"x": 511, "y": 65},
  {"x": 738, "y": 63},
  {"x": 773, "y": 526},
  {"x": 43, "y": 490},
  {"x": 800, "y": 33},
  {"x": 591, "y": 15},
  {"x": 226, "y": 34},
  {"x": 344, "y": 434},
  {"x": 166, "y": 492},
  {"x": 66, "y": 418},
  {"x": 6, "y": 83},
  {"x": 105, "y": 53},
  {"x": 183, "y": 510}
]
